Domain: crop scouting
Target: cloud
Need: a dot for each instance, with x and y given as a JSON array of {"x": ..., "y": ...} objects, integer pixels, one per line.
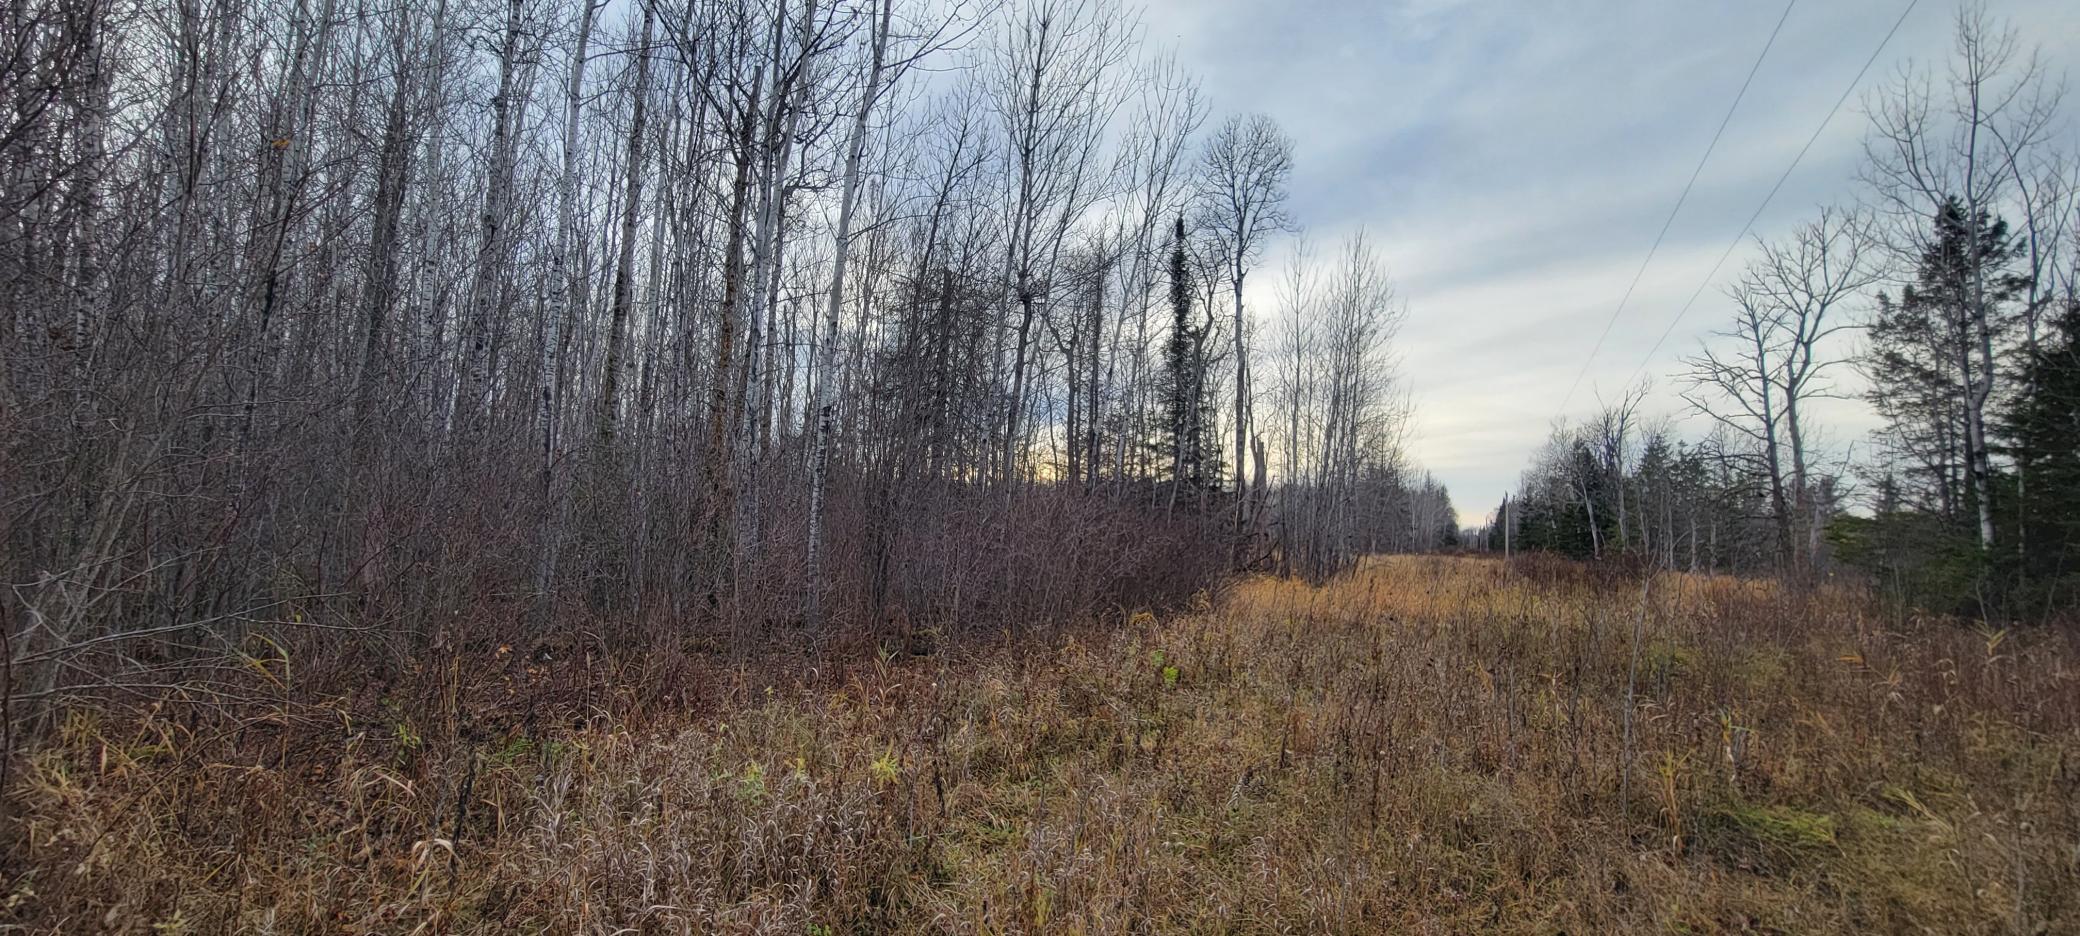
[{"x": 1515, "y": 160}]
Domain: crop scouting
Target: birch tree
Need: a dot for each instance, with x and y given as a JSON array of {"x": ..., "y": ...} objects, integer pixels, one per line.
[
  {"x": 1054, "y": 64},
  {"x": 1932, "y": 145},
  {"x": 1244, "y": 171},
  {"x": 826, "y": 407}
]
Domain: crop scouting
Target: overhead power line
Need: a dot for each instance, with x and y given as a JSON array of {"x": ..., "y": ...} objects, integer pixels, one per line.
[
  {"x": 1773, "y": 190},
  {"x": 1680, "y": 199}
]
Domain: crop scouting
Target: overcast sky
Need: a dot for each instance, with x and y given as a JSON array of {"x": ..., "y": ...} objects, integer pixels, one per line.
[{"x": 1515, "y": 160}]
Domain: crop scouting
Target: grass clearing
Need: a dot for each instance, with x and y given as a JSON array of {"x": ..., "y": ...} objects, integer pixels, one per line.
[{"x": 1427, "y": 745}]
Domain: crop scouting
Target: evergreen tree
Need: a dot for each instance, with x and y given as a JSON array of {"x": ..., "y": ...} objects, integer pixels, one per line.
[
  {"x": 2041, "y": 429},
  {"x": 1187, "y": 401},
  {"x": 1925, "y": 364}
]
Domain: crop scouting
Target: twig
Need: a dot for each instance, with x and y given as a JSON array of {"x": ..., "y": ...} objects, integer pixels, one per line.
[{"x": 1639, "y": 630}]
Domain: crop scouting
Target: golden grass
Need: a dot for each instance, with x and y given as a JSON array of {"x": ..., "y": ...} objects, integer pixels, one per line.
[{"x": 1426, "y": 745}]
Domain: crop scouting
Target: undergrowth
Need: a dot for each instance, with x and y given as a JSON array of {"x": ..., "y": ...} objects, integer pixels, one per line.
[{"x": 1426, "y": 745}]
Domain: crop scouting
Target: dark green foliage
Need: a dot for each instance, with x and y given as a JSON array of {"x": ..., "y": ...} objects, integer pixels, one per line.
[
  {"x": 1683, "y": 506},
  {"x": 1190, "y": 451},
  {"x": 1917, "y": 558},
  {"x": 1557, "y": 520},
  {"x": 1922, "y": 362},
  {"x": 2041, "y": 431},
  {"x": 1920, "y": 545}
]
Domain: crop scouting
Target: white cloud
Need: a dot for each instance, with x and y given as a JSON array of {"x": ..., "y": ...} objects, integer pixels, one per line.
[{"x": 1515, "y": 159}]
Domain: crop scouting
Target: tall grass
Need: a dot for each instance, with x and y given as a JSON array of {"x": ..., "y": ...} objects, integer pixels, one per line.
[{"x": 1425, "y": 745}]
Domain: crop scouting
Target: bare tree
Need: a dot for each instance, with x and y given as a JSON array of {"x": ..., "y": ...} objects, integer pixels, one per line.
[
  {"x": 488, "y": 287},
  {"x": 302, "y": 305},
  {"x": 1343, "y": 467},
  {"x": 563, "y": 298},
  {"x": 1243, "y": 175},
  {"x": 826, "y": 408},
  {"x": 1054, "y": 67},
  {"x": 1758, "y": 375},
  {"x": 1167, "y": 112}
]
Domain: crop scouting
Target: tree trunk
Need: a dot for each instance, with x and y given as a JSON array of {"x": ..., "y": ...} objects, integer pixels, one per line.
[
  {"x": 623, "y": 299},
  {"x": 1241, "y": 418},
  {"x": 826, "y": 368},
  {"x": 487, "y": 293},
  {"x": 563, "y": 299}
]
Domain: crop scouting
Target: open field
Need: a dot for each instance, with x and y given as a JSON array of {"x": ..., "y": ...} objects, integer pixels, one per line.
[{"x": 1428, "y": 745}]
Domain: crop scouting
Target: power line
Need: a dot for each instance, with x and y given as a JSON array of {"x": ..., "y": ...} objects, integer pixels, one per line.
[
  {"x": 1680, "y": 199},
  {"x": 1745, "y": 228}
]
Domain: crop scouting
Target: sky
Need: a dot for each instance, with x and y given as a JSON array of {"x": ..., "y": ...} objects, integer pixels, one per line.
[{"x": 1514, "y": 160}]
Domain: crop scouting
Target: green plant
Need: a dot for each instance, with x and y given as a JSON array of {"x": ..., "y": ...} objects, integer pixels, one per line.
[
  {"x": 751, "y": 784},
  {"x": 886, "y": 769}
]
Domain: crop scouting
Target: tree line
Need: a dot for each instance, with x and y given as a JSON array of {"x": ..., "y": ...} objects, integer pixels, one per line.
[
  {"x": 443, "y": 325},
  {"x": 1951, "y": 287}
]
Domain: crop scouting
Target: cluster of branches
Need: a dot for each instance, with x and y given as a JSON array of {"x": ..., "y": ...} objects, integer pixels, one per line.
[
  {"x": 1960, "y": 268},
  {"x": 446, "y": 324},
  {"x": 1620, "y": 484},
  {"x": 1338, "y": 414}
]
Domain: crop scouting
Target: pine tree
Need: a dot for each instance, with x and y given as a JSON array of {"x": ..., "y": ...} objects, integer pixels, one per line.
[
  {"x": 1186, "y": 403},
  {"x": 1925, "y": 365},
  {"x": 2040, "y": 429}
]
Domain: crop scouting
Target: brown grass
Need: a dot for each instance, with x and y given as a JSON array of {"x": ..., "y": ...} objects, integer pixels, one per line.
[{"x": 1428, "y": 745}]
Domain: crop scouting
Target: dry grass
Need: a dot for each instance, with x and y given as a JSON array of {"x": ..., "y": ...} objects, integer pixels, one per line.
[{"x": 1429, "y": 745}]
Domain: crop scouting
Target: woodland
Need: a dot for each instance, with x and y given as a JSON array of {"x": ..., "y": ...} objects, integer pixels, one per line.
[{"x": 843, "y": 466}]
